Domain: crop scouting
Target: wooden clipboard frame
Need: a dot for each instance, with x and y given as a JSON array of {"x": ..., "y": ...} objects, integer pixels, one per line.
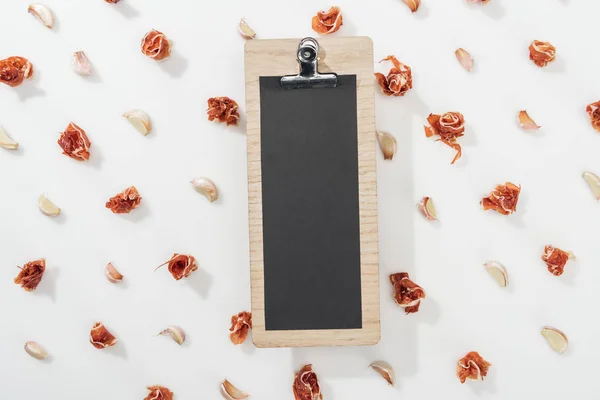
[{"x": 344, "y": 56}]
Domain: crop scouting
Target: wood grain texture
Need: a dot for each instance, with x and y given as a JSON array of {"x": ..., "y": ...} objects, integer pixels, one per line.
[{"x": 345, "y": 56}]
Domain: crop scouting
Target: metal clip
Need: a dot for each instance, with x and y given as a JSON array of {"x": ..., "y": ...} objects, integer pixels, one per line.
[{"x": 309, "y": 76}]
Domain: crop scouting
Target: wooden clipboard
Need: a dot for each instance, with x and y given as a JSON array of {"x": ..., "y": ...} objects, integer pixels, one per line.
[{"x": 277, "y": 324}]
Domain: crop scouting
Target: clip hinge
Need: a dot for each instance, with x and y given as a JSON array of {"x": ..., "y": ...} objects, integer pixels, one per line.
[{"x": 309, "y": 76}]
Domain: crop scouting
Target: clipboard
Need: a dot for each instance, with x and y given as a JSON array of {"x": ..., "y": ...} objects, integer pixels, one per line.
[{"x": 312, "y": 192}]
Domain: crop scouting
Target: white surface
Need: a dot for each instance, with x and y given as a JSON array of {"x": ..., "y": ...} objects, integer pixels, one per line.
[{"x": 464, "y": 309}]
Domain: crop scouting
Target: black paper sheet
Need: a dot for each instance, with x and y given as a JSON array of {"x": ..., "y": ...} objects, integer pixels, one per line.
[{"x": 311, "y": 232}]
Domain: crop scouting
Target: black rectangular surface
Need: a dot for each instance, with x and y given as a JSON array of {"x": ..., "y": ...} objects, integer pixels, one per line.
[{"x": 311, "y": 226}]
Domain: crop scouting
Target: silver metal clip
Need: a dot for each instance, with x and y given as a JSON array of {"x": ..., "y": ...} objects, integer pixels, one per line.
[{"x": 309, "y": 76}]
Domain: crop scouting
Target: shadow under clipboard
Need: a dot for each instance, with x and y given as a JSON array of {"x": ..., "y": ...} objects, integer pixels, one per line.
[
  {"x": 393, "y": 185},
  {"x": 397, "y": 212}
]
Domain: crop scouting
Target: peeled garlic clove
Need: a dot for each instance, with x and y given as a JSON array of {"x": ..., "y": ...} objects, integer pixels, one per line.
[
  {"x": 140, "y": 121},
  {"x": 230, "y": 392},
  {"x": 385, "y": 370},
  {"x": 81, "y": 64},
  {"x": 6, "y": 141},
  {"x": 112, "y": 274},
  {"x": 464, "y": 58},
  {"x": 413, "y": 4},
  {"x": 498, "y": 272},
  {"x": 47, "y": 207},
  {"x": 35, "y": 350},
  {"x": 245, "y": 30},
  {"x": 42, "y": 13},
  {"x": 556, "y": 339},
  {"x": 427, "y": 209},
  {"x": 206, "y": 187},
  {"x": 388, "y": 145},
  {"x": 526, "y": 122},
  {"x": 176, "y": 333},
  {"x": 594, "y": 181}
]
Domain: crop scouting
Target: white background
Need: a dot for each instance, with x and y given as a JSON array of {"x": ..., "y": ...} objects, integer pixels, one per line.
[{"x": 464, "y": 309}]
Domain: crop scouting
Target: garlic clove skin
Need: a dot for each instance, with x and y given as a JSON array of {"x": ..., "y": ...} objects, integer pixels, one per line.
[
  {"x": 430, "y": 210},
  {"x": 176, "y": 334},
  {"x": 6, "y": 141},
  {"x": 42, "y": 13},
  {"x": 81, "y": 64},
  {"x": 388, "y": 145},
  {"x": 230, "y": 392},
  {"x": 35, "y": 350},
  {"x": 206, "y": 187},
  {"x": 47, "y": 207},
  {"x": 464, "y": 58},
  {"x": 385, "y": 370},
  {"x": 112, "y": 274},
  {"x": 594, "y": 181},
  {"x": 498, "y": 272},
  {"x": 525, "y": 121},
  {"x": 140, "y": 121},
  {"x": 245, "y": 30},
  {"x": 556, "y": 339},
  {"x": 426, "y": 207},
  {"x": 413, "y": 4}
]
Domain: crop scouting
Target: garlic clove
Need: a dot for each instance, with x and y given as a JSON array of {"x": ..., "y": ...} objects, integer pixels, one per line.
[
  {"x": 47, "y": 207},
  {"x": 6, "y": 141},
  {"x": 427, "y": 208},
  {"x": 176, "y": 333},
  {"x": 594, "y": 181},
  {"x": 206, "y": 187},
  {"x": 464, "y": 58},
  {"x": 388, "y": 145},
  {"x": 526, "y": 122},
  {"x": 230, "y": 392},
  {"x": 498, "y": 272},
  {"x": 413, "y": 4},
  {"x": 385, "y": 370},
  {"x": 42, "y": 13},
  {"x": 81, "y": 64},
  {"x": 112, "y": 274},
  {"x": 140, "y": 121},
  {"x": 556, "y": 339},
  {"x": 245, "y": 30},
  {"x": 35, "y": 350}
]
